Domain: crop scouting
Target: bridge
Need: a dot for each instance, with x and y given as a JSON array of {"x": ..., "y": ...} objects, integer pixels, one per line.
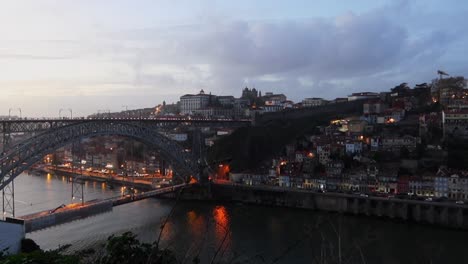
[
  {"x": 66, "y": 213},
  {"x": 50, "y": 134}
]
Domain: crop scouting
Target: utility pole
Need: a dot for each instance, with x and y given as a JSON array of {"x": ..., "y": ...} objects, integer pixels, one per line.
[{"x": 68, "y": 110}]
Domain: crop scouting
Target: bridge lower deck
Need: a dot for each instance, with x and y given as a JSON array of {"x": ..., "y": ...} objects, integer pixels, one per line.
[{"x": 71, "y": 212}]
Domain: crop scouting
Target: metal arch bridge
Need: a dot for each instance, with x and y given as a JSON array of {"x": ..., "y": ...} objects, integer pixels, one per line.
[
  {"x": 53, "y": 134},
  {"x": 25, "y": 154},
  {"x": 17, "y": 125}
]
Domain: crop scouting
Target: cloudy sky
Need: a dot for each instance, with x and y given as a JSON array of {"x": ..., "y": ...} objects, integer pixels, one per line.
[{"x": 92, "y": 55}]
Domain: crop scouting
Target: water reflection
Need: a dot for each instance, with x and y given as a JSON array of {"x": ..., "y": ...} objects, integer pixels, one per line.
[
  {"x": 197, "y": 225},
  {"x": 198, "y": 229},
  {"x": 222, "y": 227},
  {"x": 49, "y": 178}
]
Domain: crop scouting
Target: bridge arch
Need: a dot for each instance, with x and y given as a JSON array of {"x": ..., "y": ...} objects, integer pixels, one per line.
[{"x": 23, "y": 155}]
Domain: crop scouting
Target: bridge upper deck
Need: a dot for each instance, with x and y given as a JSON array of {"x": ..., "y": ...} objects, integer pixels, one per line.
[{"x": 17, "y": 125}]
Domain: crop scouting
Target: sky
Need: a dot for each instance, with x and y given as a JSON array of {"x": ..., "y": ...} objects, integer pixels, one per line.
[{"x": 99, "y": 55}]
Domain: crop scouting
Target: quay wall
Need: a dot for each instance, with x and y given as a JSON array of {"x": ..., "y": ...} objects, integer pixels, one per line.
[
  {"x": 45, "y": 219},
  {"x": 108, "y": 180},
  {"x": 442, "y": 214}
]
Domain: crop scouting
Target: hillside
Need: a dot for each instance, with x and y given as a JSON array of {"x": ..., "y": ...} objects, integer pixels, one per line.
[{"x": 249, "y": 147}]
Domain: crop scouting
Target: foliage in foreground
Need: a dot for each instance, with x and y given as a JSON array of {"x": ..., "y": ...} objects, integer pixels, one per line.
[{"x": 123, "y": 249}]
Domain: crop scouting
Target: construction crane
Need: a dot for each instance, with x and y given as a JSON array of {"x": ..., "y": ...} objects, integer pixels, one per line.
[{"x": 442, "y": 73}]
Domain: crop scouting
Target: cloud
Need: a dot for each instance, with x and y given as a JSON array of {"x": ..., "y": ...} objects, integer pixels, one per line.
[
  {"x": 319, "y": 56},
  {"x": 31, "y": 57},
  {"x": 294, "y": 55}
]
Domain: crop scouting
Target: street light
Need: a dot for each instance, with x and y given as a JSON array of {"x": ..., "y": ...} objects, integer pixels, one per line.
[{"x": 68, "y": 110}]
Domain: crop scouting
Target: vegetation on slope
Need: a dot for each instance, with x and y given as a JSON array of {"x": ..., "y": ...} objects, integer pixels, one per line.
[{"x": 248, "y": 147}]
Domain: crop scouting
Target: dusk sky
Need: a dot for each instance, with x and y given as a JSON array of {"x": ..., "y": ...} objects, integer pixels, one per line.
[{"x": 92, "y": 55}]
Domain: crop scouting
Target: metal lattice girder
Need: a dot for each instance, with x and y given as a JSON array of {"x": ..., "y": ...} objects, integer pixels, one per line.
[
  {"x": 8, "y": 199},
  {"x": 23, "y": 155},
  {"x": 77, "y": 190},
  {"x": 38, "y": 125}
]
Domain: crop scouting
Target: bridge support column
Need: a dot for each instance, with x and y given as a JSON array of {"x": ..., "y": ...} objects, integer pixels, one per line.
[
  {"x": 8, "y": 192},
  {"x": 8, "y": 197},
  {"x": 77, "y": 194}
]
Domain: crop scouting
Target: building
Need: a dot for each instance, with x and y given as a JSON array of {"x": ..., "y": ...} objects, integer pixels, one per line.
[
  {"x": 458, "y": 187},
  {"x": 284, "y": 181},
  {"x": 274, "y": 98},
  {"x": 315, "y": 183},
  {"x": 226, "y": 101},
  {"x": 210, "y": 112},
  {"x": 323, "y": 152},
  {"x": 334, "y": 169},
  {"x": 396, "y": 143},
  {"x": 455, "y": 123},
  {"x": 403, "y": 184},
  {"x": 311, "y": 102},
  {"x": 374, "y": 107},
  {"x": 353, "y": 147},
  {"x": 356, "y": 126},
  {"x": 421, "y": 187},
  {"x": 362, "y": 96},
  {"x": 441, "y": 186},
  {"x": 250, "y": 94},
  {"x": 191, "y": 102},
  {"x": 450, "y": 90}
]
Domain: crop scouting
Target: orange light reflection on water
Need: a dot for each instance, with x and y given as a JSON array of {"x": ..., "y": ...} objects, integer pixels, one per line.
[
  {"x": 168, "y": 231},
  {"x": 222, "y": 228},
  {"x": 196, "y": 224}
]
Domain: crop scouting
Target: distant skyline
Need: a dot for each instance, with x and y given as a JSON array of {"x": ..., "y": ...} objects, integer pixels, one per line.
[{"x": 93, "y": 55}]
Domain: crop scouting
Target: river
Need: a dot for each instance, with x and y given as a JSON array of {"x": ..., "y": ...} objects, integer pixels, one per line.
[{"x": 243, "y": 233}]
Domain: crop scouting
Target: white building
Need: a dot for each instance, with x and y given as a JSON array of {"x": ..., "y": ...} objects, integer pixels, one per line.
[
  {"x": 192, "y": 102},
  {"x": 353, "y": 147}
]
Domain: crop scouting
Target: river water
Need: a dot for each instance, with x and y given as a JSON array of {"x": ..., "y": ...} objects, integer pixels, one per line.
[{"x": 237, "y": 232}]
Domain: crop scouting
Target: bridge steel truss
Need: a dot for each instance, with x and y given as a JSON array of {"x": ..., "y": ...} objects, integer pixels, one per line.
[
  {"x": 8, "y": 127},
  {"x": 16, "y": 159}
]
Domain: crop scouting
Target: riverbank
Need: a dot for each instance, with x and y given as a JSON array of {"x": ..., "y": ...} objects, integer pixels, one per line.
[
  {"x": 449, "y": 215},
  {"x": 144, "y": 185},
  {"x": 197, "y": 228}
]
